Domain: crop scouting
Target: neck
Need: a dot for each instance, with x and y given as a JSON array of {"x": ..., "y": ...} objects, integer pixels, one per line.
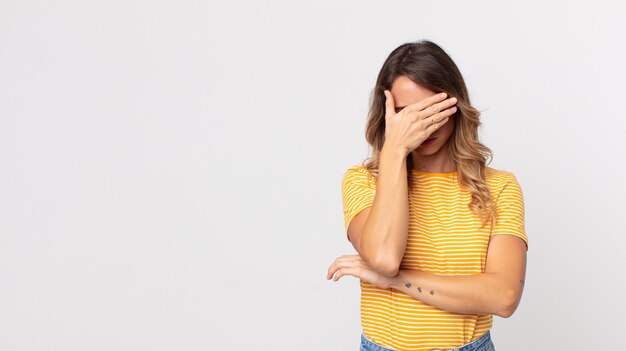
[{"x": 438, "y": 162}]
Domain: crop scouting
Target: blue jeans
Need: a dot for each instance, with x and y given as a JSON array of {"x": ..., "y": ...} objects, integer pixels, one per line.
[{"x": 483, "y": 343}]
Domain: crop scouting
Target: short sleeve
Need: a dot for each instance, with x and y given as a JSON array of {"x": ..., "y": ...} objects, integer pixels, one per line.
[
  {"x": 358, "y": 189},
  {"x": 510, "y": 208}
]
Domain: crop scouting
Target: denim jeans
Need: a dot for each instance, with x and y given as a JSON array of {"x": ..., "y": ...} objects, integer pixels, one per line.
[{"x": 483, "y": 343}]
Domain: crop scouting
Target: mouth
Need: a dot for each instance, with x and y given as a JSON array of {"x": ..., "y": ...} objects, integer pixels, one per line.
[{"x": 428, "y": 141}]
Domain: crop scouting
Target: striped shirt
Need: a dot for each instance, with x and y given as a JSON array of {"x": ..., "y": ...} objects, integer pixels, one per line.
[{"x": 444, "y": 238}]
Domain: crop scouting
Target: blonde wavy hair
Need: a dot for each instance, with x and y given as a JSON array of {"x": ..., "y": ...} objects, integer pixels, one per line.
[{"x": 428, "y": 65}]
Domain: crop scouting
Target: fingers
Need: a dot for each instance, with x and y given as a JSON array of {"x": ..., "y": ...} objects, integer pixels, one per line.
[
  {"x": 345, "y": 270},
  {"x": 436, "y": 108},
  {"x": 341, "y": 262},
  {"x": 422, "y": 104},
  {"x": 333, "y": 267},
  {"x": 440, "y": 119},
  {"x": 443, "y": 115},
  {"x": 433, "y": 127},
  {"x": 390, "y": 107}
]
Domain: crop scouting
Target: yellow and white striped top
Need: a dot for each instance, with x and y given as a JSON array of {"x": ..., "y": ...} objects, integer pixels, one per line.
[{"x": 444, "y": 238}]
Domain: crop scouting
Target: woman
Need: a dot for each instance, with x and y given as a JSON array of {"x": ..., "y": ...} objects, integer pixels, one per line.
[{"x": 427, "y": 215}]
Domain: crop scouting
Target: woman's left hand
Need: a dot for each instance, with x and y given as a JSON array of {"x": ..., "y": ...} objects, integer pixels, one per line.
[{"x": 355, "y": 266}]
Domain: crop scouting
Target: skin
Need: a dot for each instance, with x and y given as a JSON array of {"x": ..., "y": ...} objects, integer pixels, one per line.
[
  {"x": 432, "y": 157},
  {"x": 496, "y": 291},
  {"x": 379, "y": 233}
]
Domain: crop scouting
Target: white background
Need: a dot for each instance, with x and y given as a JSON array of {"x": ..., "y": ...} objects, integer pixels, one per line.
[{"x": 170, "y": 171}]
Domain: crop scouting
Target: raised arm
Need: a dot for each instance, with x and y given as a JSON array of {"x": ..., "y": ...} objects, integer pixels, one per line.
[{"x": 379, "y": 233}]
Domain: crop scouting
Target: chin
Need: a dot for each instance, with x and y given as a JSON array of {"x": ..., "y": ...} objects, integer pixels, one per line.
[{"x": 428, "y": 150}]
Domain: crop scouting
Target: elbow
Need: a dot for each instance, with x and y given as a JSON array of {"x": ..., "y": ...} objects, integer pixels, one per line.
[
  {"x": 387, "y": 266},
  {"x": 382, "y": 262},
  {"x": 509, "y": 303},
  {"x": 506, "y": 312},
  {"x": 383, "y": 265},
  {"x": 389, "y": 270}
]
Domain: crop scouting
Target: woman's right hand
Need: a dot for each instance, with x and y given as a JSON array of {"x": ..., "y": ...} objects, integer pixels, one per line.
[{"x": 410, "y": 127}]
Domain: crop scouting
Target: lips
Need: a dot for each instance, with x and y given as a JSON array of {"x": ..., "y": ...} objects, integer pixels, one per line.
[{"x": 427, "y": 142}]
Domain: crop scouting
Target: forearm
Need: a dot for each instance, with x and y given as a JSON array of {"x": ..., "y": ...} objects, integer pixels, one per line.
[
  {"x": 466, "y": 294},
  {"x": 386, "y": 230}
]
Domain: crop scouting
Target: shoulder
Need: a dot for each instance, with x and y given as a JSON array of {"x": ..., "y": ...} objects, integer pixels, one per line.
[
  {"x": 358, "y": 174},
  {"x": 499, "y": 176},
  {"x": 359, "y": 171},
  {"x": 500, "y": 180}
]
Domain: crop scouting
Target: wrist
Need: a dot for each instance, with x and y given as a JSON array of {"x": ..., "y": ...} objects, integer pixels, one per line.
[
  {"x": 395, "y": 281},
  {"x": 393, "y": 153}
]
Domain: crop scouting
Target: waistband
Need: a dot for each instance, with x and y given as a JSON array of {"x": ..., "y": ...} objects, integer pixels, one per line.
[{"x": 474, "y": 345}]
